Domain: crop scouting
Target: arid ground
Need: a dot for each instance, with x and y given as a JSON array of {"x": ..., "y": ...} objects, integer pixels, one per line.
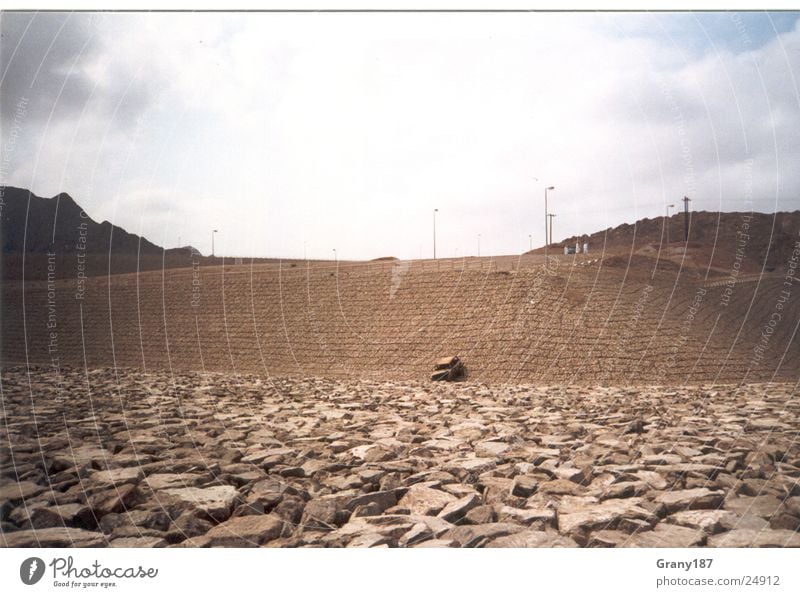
[
  {"x": 640, "y": 398},
  {"x": 121, "y": 458}
]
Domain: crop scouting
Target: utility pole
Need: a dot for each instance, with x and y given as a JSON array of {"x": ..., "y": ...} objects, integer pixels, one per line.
[
  {"x": 213, "y": 232},
  {"x": 434, "y": 233},
  {"x": 686, "y": 219},
  {"x": 530, "y": 242},
  {"x": 479, "y": 244},
  {"x": 551, "y": 216},
  {"x": 546, "y": 243},
  {"x": 666, "y": 221}
]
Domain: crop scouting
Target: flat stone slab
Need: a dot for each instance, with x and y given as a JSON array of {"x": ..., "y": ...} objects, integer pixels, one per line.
[
  {"x": 215, "y": 502},
  {"x": 667, "y": 535},
  {"x": 13, "y": 491},
  {"x": 756, "y": 538},
  {"x": 691, "y": 499},
  {"x": 144, "y": 542},
  {"x": 533, "y": 539},
  {"x": 242, "y": 531},
  {"x": 425, "y": 501},
  {"x": 116, "y": 476},
  {"x": 54, "y": 537},
  {"x": 606, "y": 514},
  {"x": 708, "y": 521},
  {"x": 454, "y": 511},
  {"x": 478, "y": 534},
  {"x": 158, "y": 481},
  {"x": 491, "y": 449}
]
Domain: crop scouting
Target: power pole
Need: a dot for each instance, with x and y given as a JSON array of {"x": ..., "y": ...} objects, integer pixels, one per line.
[
  {"x": 551, "y": 216},
  {"x": 434, "y": 233},
  {"x": 666, "y": 221},
  {"x": 550, "y": 188},
  {"x": 686, "y": 219}
]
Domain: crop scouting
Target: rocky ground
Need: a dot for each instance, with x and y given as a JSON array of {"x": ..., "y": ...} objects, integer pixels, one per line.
[{"x": 123, "y": 459}]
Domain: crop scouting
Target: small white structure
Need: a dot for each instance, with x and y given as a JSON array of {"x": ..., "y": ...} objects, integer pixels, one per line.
[
  {"x": 566, "y": 250},
  {"x": 585, "y": 247}
]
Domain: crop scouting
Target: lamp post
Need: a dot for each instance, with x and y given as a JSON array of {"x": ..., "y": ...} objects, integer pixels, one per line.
[
  {"x": 666, "y": 221},
  {"x": 551, "y": 216},
  {"x": 686, "y": 219},
  {"x": 530, "y": 242},
  {"x": 213, "y": 232},
  {"x": 479, "y": 244},
  {"x": 434, "y": 233},
  {"x": 546, "y": 241}
]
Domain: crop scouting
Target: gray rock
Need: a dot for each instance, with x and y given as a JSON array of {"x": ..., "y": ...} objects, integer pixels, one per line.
[
  {"x": 479, "y": 534},
  {"x": 532, "y": 539},
  {"x": 667, "y": 535},
  {"x": 456, "y": 510},
  {"x": 13, "y": 491},
  {"x": 756, "y": 538},
  {"x": 215, "y": 502},
  {"x": 425, "y": 501},
  {"x": 600, "y": 515},
  {"x": 127, "y": 542},
  {"x": 55, "y": 537},
  {"x": 691, "y": 499},
  {"x": 250, "y": 531}
]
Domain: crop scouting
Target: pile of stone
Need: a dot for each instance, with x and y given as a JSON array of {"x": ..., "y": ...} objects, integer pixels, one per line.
[
  {"x": 183, "y": 460},
  {"x": 449, "y": 369}
]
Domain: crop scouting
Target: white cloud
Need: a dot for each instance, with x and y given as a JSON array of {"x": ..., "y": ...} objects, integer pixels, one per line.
[{"x": 347, "y": 130}]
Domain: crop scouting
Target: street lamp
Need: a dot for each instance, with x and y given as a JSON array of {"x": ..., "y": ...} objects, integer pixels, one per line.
[
  {"x": 479, "y": 244},
  {"x": 434, "y": 233},
  {"x": 530, "y": 242},
  {"x": 213, "y": 232},
  {"x": 551, "y": 216},
  {"x": 666, "y": 221},
  {"x": 546, "y": 241},
  {"x": 335, "y": 256}
]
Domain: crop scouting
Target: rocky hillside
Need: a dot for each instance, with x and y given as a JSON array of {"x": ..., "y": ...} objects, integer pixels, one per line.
[
  {"x": 33, "y": 227},
  {"x": 758, "y": 241}
]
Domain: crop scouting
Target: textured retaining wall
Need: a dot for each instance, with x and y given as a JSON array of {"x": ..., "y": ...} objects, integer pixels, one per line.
[{"x": 583, "y": 324}]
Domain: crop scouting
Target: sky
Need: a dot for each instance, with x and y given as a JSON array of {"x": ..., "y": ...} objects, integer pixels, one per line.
[{"x": 298, "y": 134}]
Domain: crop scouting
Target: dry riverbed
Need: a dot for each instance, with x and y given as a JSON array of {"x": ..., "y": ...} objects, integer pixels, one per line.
[{"x": 123, "y": 458}]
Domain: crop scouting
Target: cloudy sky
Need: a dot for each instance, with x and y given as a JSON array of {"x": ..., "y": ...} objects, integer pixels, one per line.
[{"x": 322, "y": 131}]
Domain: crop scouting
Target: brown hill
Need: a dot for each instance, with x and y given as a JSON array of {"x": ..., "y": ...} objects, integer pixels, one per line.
[
  {"x": 54, "y": 237},
  {"x": 717, "y": 240}
]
